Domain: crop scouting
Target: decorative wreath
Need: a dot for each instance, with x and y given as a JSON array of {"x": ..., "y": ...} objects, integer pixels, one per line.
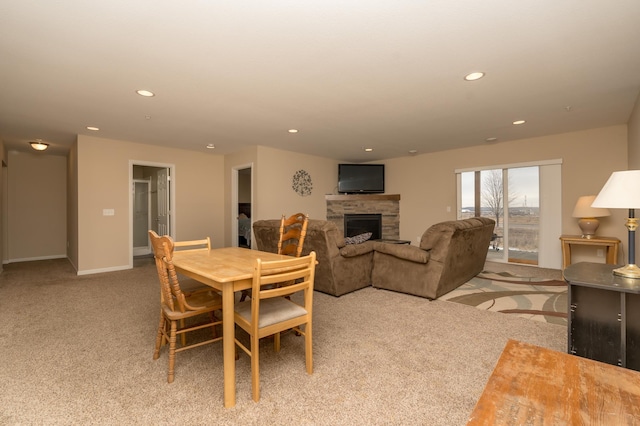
[{"x": 302, "y": 183}]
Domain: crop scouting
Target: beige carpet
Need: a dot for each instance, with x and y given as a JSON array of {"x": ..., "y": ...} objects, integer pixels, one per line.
[{"x": 78, "y": 350}]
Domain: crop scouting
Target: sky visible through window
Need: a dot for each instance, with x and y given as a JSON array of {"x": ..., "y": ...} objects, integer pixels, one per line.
[{"x": 523, "y": 186}]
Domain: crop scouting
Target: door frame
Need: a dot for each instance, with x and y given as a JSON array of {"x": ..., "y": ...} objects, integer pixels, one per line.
[
  {"x": 172, "y": 198},
  {"x": 234, "y": 201}
]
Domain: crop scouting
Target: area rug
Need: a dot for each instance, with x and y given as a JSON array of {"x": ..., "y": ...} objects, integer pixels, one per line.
[{"x": 529, "y": 297}]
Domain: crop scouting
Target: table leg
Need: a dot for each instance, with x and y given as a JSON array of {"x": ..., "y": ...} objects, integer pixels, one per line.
[{"x": 228, "y": 345}]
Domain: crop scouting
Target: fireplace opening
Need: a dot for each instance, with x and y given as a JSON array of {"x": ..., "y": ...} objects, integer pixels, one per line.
[{"x": 356, "y": 224}]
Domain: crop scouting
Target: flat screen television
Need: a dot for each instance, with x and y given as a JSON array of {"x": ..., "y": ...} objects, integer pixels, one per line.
[{"x": 361, "y": 178}]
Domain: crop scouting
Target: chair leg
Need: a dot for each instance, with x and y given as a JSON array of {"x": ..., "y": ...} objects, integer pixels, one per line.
[
  {"x": 255, "y": 368},
  {"x": 276, "y": 342},
  {"x": 308, "y": 348},
  {"x": 183, "y": 336},
  {"x": 159, "y": 336},
  {"x": 172, "y": 350},
  {"x": 244, "y": 295}
]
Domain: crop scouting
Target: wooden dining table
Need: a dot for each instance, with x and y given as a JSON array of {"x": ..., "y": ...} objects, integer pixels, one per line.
[{"x": 227, "y": 270}]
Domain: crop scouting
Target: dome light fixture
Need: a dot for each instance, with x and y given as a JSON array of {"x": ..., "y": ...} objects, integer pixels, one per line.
[
  {"x": 38, "y": 145},
  {"x": 145, "y": 93},
  {"x": 518, "y": 122},
  {"x": 211, "y": 146}
]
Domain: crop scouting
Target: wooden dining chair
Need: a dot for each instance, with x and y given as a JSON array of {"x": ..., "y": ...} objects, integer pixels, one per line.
[
  {"x": 178, "y": 307},
  {"x": 293, "y": 231},
  {"x": 270, "y": 311}
]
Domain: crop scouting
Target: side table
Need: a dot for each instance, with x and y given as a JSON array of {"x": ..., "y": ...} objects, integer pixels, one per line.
[
  {"x": 603, "y": 322},
  {"x": 610, "y": 245}
]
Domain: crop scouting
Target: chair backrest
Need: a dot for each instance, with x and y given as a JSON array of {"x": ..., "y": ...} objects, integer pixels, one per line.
[
  {"x": 292, "y": 233},
  {"x": 170, "y": 292},
  {"x": 300, "y": 271}
]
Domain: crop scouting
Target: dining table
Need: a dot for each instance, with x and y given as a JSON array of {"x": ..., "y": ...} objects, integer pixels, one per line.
[{"x": 227, "y": 270}]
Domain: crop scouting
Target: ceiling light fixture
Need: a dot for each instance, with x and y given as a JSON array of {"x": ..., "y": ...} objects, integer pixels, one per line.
[
  {"x": 211, "y": 146},
  {"x": 368, "y": 149},
  {"x": 413, "y": 151},
  {"x": 145, "y": 93},
  {"x": 38, "y": 145},
  {"x": 474, "y": 76},
  {"x": 93, "y": 128},
  {"x": 293, "y": 130},
  {"x": 517, "y": 122},
  {"x": 491, "y": 139}
]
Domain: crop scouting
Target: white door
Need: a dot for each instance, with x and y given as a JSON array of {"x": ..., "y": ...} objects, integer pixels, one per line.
[{"x": 164, "y": 213}]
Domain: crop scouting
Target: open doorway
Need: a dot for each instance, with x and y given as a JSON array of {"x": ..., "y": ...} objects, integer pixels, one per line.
[
  {"x": 241, "y": 206},
  {"x": 151, "y": 204}
]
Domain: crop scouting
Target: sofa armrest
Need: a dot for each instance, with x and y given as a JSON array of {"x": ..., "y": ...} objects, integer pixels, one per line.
[
  {"x": 353, "y": 250},
  {"x": 403, "y": 251}
]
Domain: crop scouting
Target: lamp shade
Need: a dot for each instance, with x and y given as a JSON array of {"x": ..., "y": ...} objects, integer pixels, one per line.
[
  {"x": 583, "y": 208},
  {"x": 622, "y": 191}
]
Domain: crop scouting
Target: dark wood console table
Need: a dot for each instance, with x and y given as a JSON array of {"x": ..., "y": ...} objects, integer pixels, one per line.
[{"x": 604, "y": 314}]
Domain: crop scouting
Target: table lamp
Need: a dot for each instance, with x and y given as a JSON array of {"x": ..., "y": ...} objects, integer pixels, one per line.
[
  {"x": 587, "y": 215},
  {"x": 622, "y": 191}
]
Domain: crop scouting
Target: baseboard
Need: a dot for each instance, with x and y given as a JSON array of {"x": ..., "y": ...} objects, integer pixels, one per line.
[{"x": 31, "y": 259}]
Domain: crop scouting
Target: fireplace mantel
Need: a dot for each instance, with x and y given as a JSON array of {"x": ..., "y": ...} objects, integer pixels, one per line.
[
  {"x": 362, "y": 197},
  {"x": 388, "y": 205}
]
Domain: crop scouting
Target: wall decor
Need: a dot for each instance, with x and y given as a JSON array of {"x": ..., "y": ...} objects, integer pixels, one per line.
[{"x": 302, "y": 183}]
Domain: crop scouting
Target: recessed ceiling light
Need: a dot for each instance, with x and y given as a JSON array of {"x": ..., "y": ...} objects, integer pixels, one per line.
[
  {"x": 145, "y": 93},
  {"x": 368, "y": 149},
  {"x": 95, "y": 129},
  {"x": 413, "y": 151},
  {"x": 474, "y": 76},
  {"x": 293, "y": 130},
  {"x": 519, "y": 122},
  {"x": 211, "y": 146},
  {"x": 492, "y": 139}
]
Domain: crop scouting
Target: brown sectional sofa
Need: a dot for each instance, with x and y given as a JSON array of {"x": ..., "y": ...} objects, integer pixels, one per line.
[
  {"x": 450, "y": 253},
  {"x": 341, "y": 268}
]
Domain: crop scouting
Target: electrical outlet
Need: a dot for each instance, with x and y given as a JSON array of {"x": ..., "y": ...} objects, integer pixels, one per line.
[
  {"x": 600, "y": 253},
  {"x": 448, "y": 209}
]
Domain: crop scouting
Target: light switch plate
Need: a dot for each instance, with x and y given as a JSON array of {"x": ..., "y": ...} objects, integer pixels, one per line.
[{"x": 108, "y": 212}]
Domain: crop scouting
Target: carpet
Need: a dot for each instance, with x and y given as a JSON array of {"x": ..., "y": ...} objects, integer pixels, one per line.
[{"x": 528, "y": 297}]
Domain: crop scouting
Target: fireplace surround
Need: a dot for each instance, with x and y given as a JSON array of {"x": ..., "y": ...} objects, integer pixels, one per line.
[{"x": 386, "y": 205}]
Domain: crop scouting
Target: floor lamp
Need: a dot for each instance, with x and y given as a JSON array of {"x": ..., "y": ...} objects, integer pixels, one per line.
[{"x": 622, "y": 191}]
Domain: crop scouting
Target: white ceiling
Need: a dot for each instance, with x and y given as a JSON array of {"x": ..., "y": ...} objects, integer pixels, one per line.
[{"x": 348, "y": 74}]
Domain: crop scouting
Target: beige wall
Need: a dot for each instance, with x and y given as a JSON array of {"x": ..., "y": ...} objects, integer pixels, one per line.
[
  {"x": 427, "y": 182},
  {"x": 273, "y": 194},
  {"x": 37, "y": 206},
  {"x": 3, "y": 203},
  {"x": 634, "y": 137},
  {"x": 72, "y": 205},
  {"x": 104, "y": 242}
]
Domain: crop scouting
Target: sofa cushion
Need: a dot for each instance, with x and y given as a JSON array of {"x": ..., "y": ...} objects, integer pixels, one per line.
[
  {"x": 353, "y": 250},
  {"x": 403, "y": 251}
]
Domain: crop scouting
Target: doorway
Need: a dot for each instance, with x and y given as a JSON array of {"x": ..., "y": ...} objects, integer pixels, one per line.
[
  {"x": 151, "y": 204},
  {"x": 242, "y": 206}
]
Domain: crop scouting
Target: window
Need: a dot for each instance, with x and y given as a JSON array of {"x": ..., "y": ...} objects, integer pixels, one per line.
[{"x": 524, "y": 200}]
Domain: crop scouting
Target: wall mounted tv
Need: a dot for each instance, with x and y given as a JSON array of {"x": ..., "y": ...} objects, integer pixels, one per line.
[{"x": 361, "y": 178}]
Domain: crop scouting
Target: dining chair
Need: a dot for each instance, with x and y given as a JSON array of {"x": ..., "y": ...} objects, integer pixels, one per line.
[
  {"x": 178, "y": 307},
  {"x": 270, "y": 311},
  {"x": 293, "y": 231},
  {"x": 187, "y": 285}
]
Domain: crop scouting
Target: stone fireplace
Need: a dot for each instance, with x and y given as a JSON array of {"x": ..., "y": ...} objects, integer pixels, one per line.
[{"x": 387, "y": 206}]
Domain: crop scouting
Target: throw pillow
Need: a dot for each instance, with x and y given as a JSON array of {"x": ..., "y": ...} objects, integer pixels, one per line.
[{"x": 358, "y": 238}]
